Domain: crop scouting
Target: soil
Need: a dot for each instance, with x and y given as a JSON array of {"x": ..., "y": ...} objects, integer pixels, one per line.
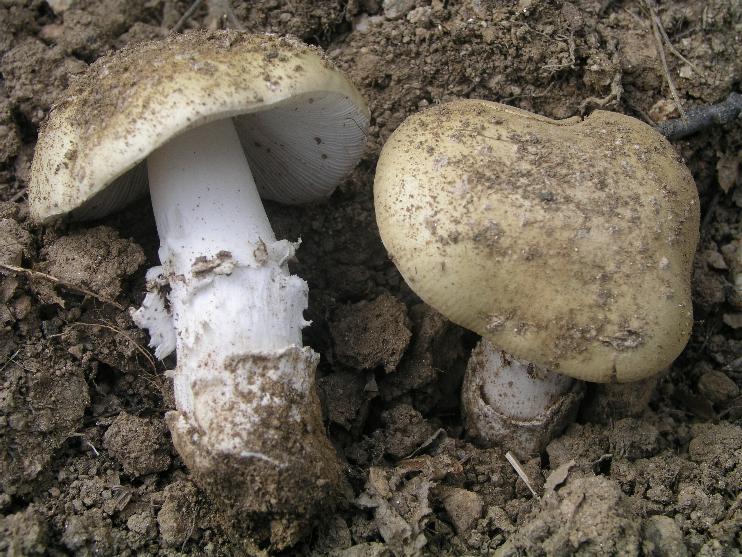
[{"x": 86, "y": 461}]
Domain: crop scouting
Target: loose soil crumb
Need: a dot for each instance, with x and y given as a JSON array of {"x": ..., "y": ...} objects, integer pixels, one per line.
[
  {"x": 371, "y": 334},
  {"x": 86, "y": 464}
]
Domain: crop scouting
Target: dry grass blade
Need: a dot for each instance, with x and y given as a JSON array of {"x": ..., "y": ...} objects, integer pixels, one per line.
[
  {"x": 656, "y": 26},
  {"x": 521, "y": 473},
  {"x": 63, "y": 283},
  {"x": 186, "y": 16}
]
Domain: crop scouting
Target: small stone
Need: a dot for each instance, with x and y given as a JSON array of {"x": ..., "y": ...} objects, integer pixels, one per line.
[
  {"x": 394, "y": 9},
  {"x": 734, "y": 320},
  {"x": 463, "y": 507},
  {"x": 663, "y": 538},
  {"x": 717, "y": 387},
  {"x": 715, "y": 260},
  {"x": 662, "y": 110}
]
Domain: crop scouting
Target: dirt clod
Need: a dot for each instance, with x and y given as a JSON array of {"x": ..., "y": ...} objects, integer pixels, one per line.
[
  {"x": 590, "y": 514},
  {"x": 371, "y": 334},
  {"x": 139, "y": 444},
  {"x": 663, "y": 538},
  {"x": 96, "y": 258},
  {"x": 464, "y": 507},
  {"x": 717, "y": 386}
]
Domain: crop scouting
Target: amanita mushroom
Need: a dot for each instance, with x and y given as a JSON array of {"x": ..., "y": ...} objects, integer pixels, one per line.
[
  {"x": 566, "y": 244},
  {"x": 209, "y": 112}
]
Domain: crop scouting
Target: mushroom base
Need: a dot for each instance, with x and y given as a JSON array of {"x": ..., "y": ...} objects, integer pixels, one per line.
[
  {"x": 285, "y": 470},
  {"x": 529, "y": 407}
]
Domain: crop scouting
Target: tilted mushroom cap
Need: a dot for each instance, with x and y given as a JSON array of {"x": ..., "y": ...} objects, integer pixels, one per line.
[
  {"x": 301, "y": 122},
  {"x": 566, "y": 243}
]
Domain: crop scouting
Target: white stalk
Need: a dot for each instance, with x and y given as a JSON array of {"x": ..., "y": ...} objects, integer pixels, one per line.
[
  {"x": 244, "y": 385},
  {"x": 515, "y": 404}
]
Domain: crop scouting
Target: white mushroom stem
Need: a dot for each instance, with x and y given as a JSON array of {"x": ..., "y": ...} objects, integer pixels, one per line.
[
  {"x": 235, "y": 314},
  {"x": 515, "y": 404}
]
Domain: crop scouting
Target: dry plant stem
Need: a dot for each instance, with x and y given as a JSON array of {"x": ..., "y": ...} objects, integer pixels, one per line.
[
  {"x": 702, "y": 117},
  {"x": 654, "y": 23},
  {"x": 43, "y": 276}
]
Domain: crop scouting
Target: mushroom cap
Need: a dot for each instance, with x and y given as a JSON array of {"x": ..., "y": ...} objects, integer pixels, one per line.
[
  {"x": 568, "y": 243},
  {"x": 302, "y": 124}
]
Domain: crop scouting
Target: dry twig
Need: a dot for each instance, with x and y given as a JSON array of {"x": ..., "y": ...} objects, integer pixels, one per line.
[{"x": 702, "y": 117}]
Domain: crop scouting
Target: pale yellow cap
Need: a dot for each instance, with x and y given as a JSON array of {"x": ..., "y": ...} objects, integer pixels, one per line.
[
  {"x": 301, "y": 122},
  {"x": 568, "y": 244}
]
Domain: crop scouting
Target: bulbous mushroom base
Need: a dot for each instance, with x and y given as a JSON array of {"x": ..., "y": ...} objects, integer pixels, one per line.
[
  {"x": 264, "y": 456},
  {"x": 513, "y": 404}
]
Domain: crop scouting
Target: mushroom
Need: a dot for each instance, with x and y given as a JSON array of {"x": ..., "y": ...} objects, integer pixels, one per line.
[
  {"x": 567, "y": 245},
  {"x": 221, "y": 119}
]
